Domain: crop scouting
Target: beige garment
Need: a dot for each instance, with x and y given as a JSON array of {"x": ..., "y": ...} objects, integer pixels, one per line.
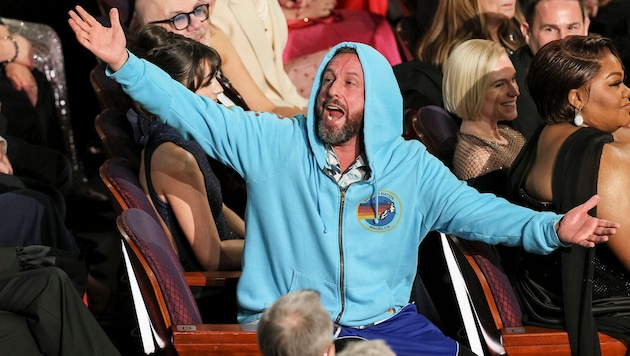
[
  {"x": 242, "y": 23},
  {"x": 475, "y": 156}
]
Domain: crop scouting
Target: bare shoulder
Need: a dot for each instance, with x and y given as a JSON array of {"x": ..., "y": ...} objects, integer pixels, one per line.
[
  {"x": 618, "y": 151},
  {"x": 171, "y": 158}
]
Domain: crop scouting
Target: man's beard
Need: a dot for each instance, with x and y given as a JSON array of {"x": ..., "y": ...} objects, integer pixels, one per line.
[{"x": 334, "y": 136}]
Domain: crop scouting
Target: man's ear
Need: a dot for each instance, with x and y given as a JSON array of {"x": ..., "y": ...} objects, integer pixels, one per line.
[
  {"x": 587, "y": 23},
  {"x": 525, "y": 31}
]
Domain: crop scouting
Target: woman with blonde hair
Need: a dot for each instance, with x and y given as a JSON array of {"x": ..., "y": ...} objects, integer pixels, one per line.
[{"x": 480, "y": 87}]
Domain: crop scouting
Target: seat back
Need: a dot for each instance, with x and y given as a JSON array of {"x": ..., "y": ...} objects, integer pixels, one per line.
[
  {"x": 494, "y": 313},
  {"x": 116, "y": 135},
  {"x": 453, "y": 285},
  {"x": 437, "y": 129},
  {"x": 108, "y": 92},
  {"x": 125, "y": 192},
  {"x": 168, "y": 317},
  {"x": 165, "y": 294}
]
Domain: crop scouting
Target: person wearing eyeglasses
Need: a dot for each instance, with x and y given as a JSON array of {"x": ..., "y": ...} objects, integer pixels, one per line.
[{"x": 190, "y": 18}]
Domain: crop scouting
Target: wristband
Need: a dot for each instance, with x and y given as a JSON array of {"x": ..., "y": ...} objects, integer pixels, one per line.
[{"x": 17, "y": 50}]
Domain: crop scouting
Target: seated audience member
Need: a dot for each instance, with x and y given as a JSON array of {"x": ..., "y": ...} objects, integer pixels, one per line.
[
  {"x": 455, "y": 21},
  {"x": 480, "y": 88},
  {"x": 296, "y": 324},
  {"x": 257, "y": 30},
  {"x": 30, "y": 217},
  {"x": 316, "y": 25},
  {"x": 545, "y": 21},
  {"x": 25, "y": 165},
  {"x": 175, "y": 173},
  {"x": 26, "y": 97},
  {"x": 581, "y": 150},
  {"x": 192, "y": 22},
  {"x": 322, "y": 185},
  {"x": 41, "y": 314}
]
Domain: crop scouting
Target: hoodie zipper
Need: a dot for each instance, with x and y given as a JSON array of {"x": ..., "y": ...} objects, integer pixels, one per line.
[{"x": 341, "y": 257}]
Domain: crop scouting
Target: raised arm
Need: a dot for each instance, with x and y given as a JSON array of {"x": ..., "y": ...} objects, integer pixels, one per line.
[{"x": 107, "y": 43}]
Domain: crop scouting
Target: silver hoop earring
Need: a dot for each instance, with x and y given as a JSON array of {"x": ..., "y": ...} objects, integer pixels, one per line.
[{"x": 578, "y": 120}]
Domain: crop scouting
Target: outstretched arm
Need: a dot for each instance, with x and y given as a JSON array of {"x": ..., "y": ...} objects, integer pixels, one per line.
[
  {"x": 577, "y": 227},
  {"x": 107, "y": 43}
]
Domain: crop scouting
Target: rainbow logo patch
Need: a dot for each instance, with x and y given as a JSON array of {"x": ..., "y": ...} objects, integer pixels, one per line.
[{"x": 388, "y": 216}]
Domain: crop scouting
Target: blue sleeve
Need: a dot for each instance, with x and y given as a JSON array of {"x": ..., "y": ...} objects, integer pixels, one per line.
[
  {"x": 229, "y": 135},
  {"x": 461, "y": 210}
]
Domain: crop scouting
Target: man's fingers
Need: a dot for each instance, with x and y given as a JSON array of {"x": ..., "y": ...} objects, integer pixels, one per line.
[{"x": 591, "y": 203}]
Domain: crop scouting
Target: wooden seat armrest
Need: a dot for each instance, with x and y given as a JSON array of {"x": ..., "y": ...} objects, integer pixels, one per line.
[
  {"x": 534, "y": 340},
  {"x": 212, "y": 279},
  {"x": 215, "y": 339}
]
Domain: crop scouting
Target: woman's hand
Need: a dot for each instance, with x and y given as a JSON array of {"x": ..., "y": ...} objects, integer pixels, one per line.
[
  {"x": 25, "y": 52},
  {"x": 22, "y": 78},
  {"x": 107, "y": 43},
  {"x": 577, "y": 227}
]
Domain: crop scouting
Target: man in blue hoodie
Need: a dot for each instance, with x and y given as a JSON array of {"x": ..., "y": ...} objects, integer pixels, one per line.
[{"x": 338, "y": 201}]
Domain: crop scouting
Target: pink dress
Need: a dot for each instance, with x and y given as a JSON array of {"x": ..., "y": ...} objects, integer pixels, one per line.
[{"x": 309, "y": 41}]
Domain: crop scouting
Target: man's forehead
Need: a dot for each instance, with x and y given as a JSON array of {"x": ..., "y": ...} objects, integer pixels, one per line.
[
  {"x": 155, "y": 10},
  {"x": 544, "y": 5},
  {"x": 349, "y": 62}
]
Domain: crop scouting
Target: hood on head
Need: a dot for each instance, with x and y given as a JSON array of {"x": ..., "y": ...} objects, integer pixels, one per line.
[{"x": 382, "y": 122}]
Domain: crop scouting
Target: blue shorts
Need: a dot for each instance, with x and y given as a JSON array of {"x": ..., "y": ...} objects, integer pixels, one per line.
[{"x": 407, "y": 333}]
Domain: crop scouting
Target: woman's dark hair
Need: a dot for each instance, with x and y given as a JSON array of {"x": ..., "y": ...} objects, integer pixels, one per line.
[
  {"x": 561, "y": 66},
  {"x": 182, "y": 58}
]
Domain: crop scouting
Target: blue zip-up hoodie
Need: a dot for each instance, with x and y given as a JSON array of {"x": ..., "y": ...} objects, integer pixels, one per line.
[{"x": 358, "y": 247}]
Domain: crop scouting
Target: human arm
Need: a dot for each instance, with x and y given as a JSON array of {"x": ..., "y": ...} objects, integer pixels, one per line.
[
  {"x": 177, "y": 180},
  {"x": 16, "y": 52},
  {"x": 234, "y": 69},
  {"x": 235, "y": 222},
  {"x": 22, "y": 78},
  {"x": 464, "y": 212},
  {"x": 305, "y": 9},
  {"x": 15, "y": 48}
]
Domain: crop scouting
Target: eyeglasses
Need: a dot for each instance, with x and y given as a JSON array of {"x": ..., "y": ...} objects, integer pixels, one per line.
[{"x": 181, "y": 21}]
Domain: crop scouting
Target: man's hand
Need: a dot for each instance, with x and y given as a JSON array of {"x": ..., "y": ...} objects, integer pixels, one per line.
[
  {"x": 577, "y": 227},
  {"x": 107, "y": 43}
]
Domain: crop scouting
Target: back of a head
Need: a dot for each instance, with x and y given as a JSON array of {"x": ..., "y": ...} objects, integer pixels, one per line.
[
  {"x": 561, "y": 66},
  {"x": 181, "y": 57},
  {"x": 367, "y": 348},
  {"x": 296, "y": 324},
  {"x": 467, "y": 76}
]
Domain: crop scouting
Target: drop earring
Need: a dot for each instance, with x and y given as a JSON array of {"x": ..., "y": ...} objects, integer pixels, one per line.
[{"x": 578, "y": 120}]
